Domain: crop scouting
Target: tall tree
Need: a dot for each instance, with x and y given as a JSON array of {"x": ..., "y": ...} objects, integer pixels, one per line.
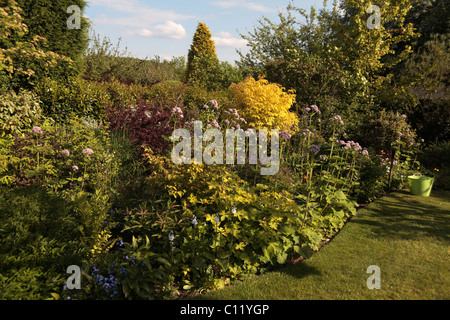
[
  {"x": 202, "y": 47},
  {"x": 48, "y": 19},
  {"x": 25, "y": 60},
  {"x": 429, "y": 17}
]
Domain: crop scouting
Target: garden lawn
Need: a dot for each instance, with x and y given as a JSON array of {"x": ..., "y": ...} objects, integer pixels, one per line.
[{"x": 406, "y": 236}]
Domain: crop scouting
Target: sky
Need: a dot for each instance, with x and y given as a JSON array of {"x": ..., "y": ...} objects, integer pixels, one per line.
[{"x": 165, "y": 28}]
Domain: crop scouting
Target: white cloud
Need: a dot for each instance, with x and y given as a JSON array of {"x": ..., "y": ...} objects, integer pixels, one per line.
[
  {"x": 226, "y": 39},
  {"x": 143, "y": 20},
  {"x": 253, "y": 6},
  {"x": 168, "y": 30}
]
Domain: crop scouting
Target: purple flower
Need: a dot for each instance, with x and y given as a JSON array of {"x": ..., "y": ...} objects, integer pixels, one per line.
[
  {"x": 227, "y": 121},
  {"x": 307, "y": 109},
  {"x": 404, "y": 116},
  {"x": 74, "y": 168},
  {"x": 365, "y": 152},
  {"x": 66, "y": 153},
  {"x": 285, "y": 135},
  {"x": 37, "y": 130},
  {"x": 215, "y": 123},
  {"x": 206, "y": 107},
  {"x": 88, "y": 151}
]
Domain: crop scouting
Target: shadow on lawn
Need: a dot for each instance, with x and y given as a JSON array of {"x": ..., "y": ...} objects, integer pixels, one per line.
[
  {"x": 402, "y": 215},
  {"x": 299, "y": 270}
]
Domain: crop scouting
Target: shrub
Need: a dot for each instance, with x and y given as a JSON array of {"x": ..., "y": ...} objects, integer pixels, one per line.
[
  {"x": 170, "y": 91},
  {"x": 57, "y": 184},
  {"x": 84, "y": 98},
  {"x": 19, "y": 112},
  {"x": 265, "y": 105},
  {"x": 436, "y": 158},
  {"x": 147, "y": 124},
  {"x": 213, "y": 75},
  {"x": 373, "y": 179},
  {"x": 390, "y": 133},
  {"x": 40, "y": 236}
]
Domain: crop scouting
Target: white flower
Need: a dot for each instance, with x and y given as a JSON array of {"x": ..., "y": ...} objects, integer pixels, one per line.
[
  {"x": 194, "y": 220},
  {"x": 171, "y": 236},
  {"x": 233, "y": 210}
]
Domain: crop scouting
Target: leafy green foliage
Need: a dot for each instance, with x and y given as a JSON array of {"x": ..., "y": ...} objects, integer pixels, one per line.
[
  {"x": 18, "y": 113},
  {"x": 213, "y": 75}
]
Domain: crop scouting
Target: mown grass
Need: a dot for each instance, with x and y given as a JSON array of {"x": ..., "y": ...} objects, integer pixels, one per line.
[{"x": 406, "y": 236}]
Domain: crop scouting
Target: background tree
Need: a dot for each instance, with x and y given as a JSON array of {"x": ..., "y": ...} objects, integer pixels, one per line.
[
  {"x": 429, "y": 17},
  {"x": 330, "y": 57}
]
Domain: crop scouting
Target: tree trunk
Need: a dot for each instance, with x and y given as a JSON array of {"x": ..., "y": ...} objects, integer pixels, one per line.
[{"x": 390, "y": 170}]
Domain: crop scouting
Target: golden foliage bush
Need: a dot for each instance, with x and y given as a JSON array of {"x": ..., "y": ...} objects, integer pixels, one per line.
[{"x": 265, "y": 105}]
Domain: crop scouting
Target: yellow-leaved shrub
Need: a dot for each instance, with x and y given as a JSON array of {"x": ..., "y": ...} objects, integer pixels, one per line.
[{"x": 265, "y": 105}]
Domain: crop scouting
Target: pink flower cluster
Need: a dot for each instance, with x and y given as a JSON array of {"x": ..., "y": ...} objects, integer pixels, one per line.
[
  {"x": 237, "y": 117},
  {"x": 37, "y": 130},
  {"x": 214, "y": 104},
  {"x": 66, "y": 153},
  {"x": 350, "y": 145},
  {"x": 178, "y": 112},
  {"x": 313, "y": 108},
  {"x": 215, "y": 124},
  {"x": 88, "y": 151},
  {"x": 338, "y": 118}
]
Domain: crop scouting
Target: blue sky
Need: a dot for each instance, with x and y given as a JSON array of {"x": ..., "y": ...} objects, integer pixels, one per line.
[{"x": 165, "y": 28}]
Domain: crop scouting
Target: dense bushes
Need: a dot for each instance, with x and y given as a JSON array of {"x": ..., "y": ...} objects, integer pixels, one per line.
[
  {"x": 56, "y": 190},
  {"x": 436, "y": 159},
  {"x": 145, "y": 124},
  {"x": 19, "y": 112},
  {"x": 103, "y": 61}
]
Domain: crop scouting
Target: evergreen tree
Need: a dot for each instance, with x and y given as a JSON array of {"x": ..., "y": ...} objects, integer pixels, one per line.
[
  {"x": 48, "y": 19},
  {"x": 202, "y": 47}
]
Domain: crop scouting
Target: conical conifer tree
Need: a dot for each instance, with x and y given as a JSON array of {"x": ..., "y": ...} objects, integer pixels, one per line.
[{"x": 202, "y": 46}]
